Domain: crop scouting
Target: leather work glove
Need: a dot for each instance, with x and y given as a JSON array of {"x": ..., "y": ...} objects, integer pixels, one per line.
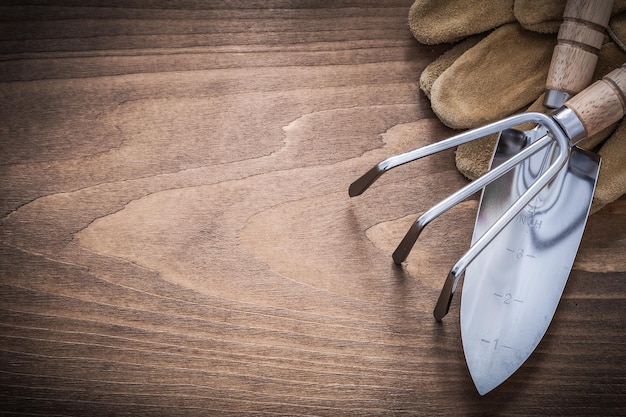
[{"x": 499, "y": 67}]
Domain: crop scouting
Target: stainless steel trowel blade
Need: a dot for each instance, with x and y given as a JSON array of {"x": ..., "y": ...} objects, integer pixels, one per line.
[{"x": 512, "y": 289}]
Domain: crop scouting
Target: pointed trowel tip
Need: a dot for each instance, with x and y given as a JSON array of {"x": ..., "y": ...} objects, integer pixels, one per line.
[
  {"x": 363, "y": 183},
  {"x": 484, "y": 387},
  {"x": 486, "y": 372}
]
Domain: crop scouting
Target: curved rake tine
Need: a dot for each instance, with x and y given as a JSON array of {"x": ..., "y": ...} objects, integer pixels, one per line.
[
  {"x": 367, "y": 179},
  {"x": 407, "y": 243},
  {"x": 447, "y": 292}
]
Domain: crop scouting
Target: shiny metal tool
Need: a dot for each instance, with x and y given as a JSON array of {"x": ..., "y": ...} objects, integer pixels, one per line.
[
  {"x": 596, "y": 107},
  {"x": 511, "y": 291},
  {"x": 533, "y": 170}
]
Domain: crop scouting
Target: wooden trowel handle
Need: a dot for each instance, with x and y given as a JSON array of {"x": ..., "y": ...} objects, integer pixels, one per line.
[
  {"x": 602, "y": 103},
  {"x": 576, "y": 53}
]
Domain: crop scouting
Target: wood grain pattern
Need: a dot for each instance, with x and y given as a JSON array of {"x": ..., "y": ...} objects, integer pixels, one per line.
[
  {"x": 579, "y": 40},
  {"x": 177, "y": 237},
  {"x": 601, "y": 104}
]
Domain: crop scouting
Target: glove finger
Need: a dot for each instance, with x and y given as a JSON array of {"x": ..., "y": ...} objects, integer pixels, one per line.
[
  {"x": 472, "y": 159},
  {"x": 500, "y": 75},
  {"x": 438, "y": 66},
  {"x": 546, "y": 16},
  {"x": 436, "y": 21},
  {"x": 539, "y": 15}
]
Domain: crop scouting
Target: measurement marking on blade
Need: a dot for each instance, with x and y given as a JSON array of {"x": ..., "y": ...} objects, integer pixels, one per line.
[
  {"x": 519, "y": 253},
  {"x": 496, "y": 344},
  {"x": 508, "y": 298}
]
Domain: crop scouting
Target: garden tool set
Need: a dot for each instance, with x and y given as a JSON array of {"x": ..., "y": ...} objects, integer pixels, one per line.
[{"x": 534, "y": 204}]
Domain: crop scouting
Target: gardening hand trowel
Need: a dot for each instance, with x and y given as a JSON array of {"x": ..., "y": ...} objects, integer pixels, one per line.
[{"x": 511, "y": 291}]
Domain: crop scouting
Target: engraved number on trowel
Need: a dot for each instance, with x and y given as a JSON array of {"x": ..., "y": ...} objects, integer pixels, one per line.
[
  {"x": 519, "y": 253},
  {"x": 496, "y": 344},
  {"x": 508, "y": 298}
]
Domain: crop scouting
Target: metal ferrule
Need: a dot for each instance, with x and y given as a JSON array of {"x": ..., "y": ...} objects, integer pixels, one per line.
[
  {"x": 554, "y": 99},
  {"x": 571, "y": 124}
]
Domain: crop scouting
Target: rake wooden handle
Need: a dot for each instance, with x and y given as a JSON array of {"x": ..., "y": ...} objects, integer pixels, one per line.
[
  {"x": 576, "y": 53},
  {"x": 603, "y": 103}
]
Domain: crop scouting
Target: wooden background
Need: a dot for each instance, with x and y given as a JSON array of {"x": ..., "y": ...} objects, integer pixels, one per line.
[{"x": 177, "y": 237}]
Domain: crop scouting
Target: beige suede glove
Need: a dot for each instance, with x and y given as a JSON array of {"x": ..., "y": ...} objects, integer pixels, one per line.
[{"x": 499, "y": 67}]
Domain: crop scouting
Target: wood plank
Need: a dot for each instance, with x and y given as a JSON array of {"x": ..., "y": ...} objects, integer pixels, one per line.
[{"x": 176, "y": 234}]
